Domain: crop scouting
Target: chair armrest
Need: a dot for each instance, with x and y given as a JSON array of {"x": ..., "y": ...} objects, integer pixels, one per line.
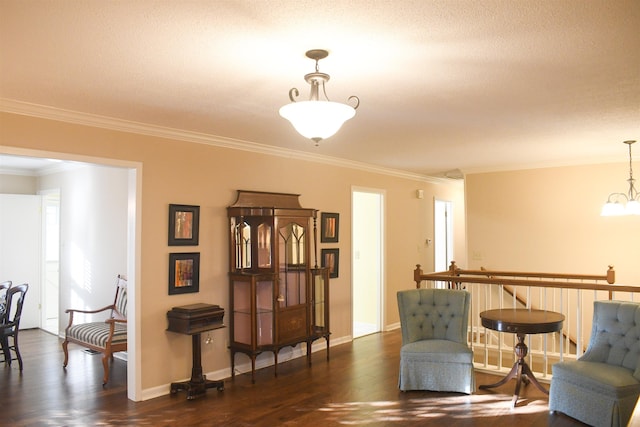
[
  {"x": 114, "y": 321},
  {"x": 72, "y": 310}
]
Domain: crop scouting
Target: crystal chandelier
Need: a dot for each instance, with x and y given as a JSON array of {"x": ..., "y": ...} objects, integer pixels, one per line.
[
  {"x": 317, "y": 119},
  {"x": 624, "y": 203}
]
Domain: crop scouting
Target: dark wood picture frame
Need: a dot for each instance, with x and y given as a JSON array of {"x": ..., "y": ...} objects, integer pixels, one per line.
[
  {"x": 330, "y": 258},
  {"x": 184, "y": 224},
  {"x": 329, "y": 227},
  {"x": 184, "y": 273}
]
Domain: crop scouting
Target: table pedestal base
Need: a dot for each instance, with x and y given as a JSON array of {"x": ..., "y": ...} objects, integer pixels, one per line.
[
  {"x": 196, "y": 387},
  {"x": 198, "y": 384},
  {"x": 520, "y": 371}
]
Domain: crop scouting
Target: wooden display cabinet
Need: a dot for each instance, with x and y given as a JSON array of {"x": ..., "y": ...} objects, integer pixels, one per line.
[{"x": 277, "y": 298}]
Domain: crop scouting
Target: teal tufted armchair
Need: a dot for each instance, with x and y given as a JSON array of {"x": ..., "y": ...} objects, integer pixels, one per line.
[
  {"x": 434, "y": 354},
  {"x": 602, "y": 387}
]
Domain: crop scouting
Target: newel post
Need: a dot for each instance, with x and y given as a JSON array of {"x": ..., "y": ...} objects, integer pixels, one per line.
[{"x": 417, "y": 273}]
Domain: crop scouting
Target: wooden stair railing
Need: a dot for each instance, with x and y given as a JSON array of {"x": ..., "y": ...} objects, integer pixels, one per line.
[{"x": 455, "y": 277}]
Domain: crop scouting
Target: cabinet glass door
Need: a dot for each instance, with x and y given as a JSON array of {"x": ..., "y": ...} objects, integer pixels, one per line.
[
  {"x": 242, "y": 312},
  {"x": 318, "y": 306},
  {"x": 292, "y": 265},
  {"x": 264, "y": 245},
  {"x": 264, "y": 312},
  {"x": 241, "y": 234}
]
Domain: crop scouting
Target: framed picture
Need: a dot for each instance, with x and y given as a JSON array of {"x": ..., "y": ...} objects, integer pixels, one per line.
[
  {"x": 184, "y": 273},
  {"x": 184, "y": 222},
  {"x": 330, "y": 258},
  {"x": 329, "y": 223}
]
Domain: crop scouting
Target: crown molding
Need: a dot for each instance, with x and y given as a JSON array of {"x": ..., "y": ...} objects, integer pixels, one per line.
[{"x": 86, "y": 119}]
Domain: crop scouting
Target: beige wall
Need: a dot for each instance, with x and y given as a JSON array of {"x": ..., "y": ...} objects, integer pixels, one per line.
[
  {"x": 18, "y": 184},
  {"x": 198, "y": 174},
  {"x": 549, "y": 220}
]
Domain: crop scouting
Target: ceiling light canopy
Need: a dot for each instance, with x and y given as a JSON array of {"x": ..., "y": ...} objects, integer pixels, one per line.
[
  {"x": 624, "y": 203},
  {"x": 317, "y": 119}
]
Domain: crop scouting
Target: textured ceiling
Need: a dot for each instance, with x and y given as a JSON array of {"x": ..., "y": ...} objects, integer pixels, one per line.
[{"x": 469, "y": 84}]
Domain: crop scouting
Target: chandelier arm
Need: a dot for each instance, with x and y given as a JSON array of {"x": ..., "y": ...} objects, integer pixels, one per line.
[
  {"x": 357, "y": 101},
  {"x": 324, "y": 91},
  {"x": 613, "y": 197},
  {"x": 293, "y": 93}
]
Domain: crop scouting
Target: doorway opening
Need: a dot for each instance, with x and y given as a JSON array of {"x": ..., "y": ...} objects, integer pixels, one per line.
[
  {"x": 367, "y": 260},
  {"x": 50, "y": 295},
  {"x": 443, "y": 234},
  {"x": 134, "y": 195}
]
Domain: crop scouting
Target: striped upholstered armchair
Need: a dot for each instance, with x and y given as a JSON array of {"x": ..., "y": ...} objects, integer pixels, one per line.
[
  {"x": 434, "y": 354},
  {"x": 106, "y": 337}
]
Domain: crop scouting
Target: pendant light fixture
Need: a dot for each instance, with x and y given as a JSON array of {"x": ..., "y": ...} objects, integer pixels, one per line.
[
  {"x": 317, "y": 119},
  {"x": 624, "y": 203}
]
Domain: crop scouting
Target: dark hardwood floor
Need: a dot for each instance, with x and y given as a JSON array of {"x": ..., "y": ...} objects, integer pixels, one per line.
[{"x": 357, "y": 387}]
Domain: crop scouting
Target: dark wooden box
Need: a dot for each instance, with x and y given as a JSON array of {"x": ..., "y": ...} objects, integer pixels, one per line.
[{"x": 195, "y": 318}]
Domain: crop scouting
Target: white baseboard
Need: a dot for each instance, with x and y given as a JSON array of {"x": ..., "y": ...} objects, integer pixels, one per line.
[
  {"x": 392, "y": 326},
  {"x": 263, "y": 361}
]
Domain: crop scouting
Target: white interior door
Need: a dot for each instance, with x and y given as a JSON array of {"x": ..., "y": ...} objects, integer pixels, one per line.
[
  {"x": 50, "y": 306},
  {"x": 20, "y": 254},
  {"x": 443, "y": 227},
  {"x": 367, "y": 261}
]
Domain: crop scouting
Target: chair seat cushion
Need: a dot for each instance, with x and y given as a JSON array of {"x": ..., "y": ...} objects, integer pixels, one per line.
[
  {"x": 437, "y": 351},
  {"x": 97, "y": 333},
  {"x": 601, "y": 378}
]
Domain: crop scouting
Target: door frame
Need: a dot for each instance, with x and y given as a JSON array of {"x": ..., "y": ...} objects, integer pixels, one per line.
[
  {"x": 134, "y": 253},
  {"x": 45, "y": 297},
  {"x": 380, "y": 261}
]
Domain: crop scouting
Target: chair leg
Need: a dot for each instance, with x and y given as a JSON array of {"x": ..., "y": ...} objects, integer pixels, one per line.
[
  {"x": 65, "y": 343},
  {"x": 17, "y": 350},
  {"x": 105, "y": 365},
  {"x": 6, "y": 351}
]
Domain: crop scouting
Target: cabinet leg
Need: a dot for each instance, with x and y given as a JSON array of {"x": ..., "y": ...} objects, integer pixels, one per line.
[
  {"x": 233, "y": 365},
  {"x": 253, "y": 369},
  {"x": 275, "y": 365}
]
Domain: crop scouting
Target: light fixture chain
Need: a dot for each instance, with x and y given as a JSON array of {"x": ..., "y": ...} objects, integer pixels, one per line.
[
  {"x": 633, "y": 193},
  {"x": 630, "y": 163}
]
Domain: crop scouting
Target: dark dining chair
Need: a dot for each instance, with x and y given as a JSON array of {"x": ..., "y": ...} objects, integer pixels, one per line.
[
  {"x": 4, "y": 287},
  {"x": 10, "y": 327}
]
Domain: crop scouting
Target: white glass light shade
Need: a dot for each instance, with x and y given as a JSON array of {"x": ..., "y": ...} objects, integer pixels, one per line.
[
  {"x": 612, "y": 209},
  {"x": 317, "y": 120},
  {"x": 633, "y": 207}
]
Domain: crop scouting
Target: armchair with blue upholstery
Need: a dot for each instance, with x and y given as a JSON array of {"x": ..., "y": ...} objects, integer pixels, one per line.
[
  {"x": 601, "y": 387},
  {"x": 435, "y": 355}
]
